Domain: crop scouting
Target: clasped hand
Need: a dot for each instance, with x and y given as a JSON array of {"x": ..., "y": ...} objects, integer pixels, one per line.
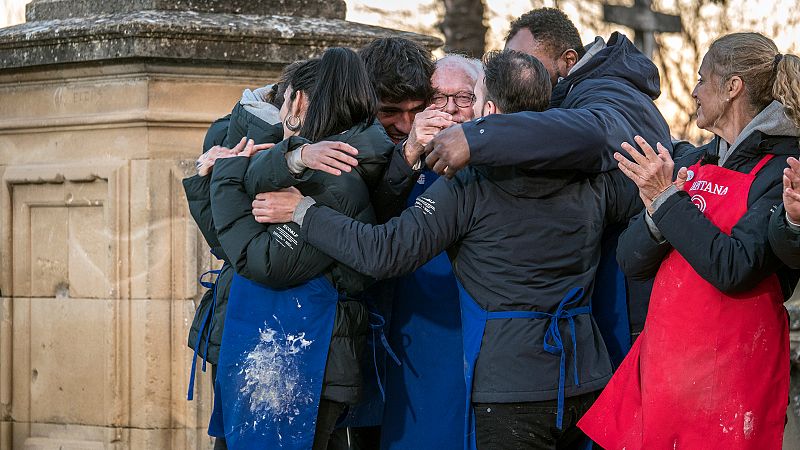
[{"x": 650, "y": 171}]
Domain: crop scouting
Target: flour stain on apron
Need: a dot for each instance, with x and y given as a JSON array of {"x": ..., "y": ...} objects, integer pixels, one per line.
[{"x": 272, "y": 376}]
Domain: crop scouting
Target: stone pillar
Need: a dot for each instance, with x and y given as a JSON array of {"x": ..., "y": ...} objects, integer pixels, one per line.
[{"x": 103, "y": 107}]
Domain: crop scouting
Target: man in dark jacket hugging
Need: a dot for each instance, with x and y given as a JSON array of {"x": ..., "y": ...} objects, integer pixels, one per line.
[{"x": 525, "y": 313}]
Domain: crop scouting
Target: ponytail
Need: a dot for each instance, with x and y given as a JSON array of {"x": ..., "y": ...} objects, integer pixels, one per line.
[{"x": 787, "y": 85}]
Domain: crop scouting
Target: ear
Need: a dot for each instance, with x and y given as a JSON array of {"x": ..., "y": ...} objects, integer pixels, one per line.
[
  {"x": 300, "y": 104},
  {"x": 570, "y": 57},
  {"x": 489, "y": 108},
  {"x": 734, "y": 87}
]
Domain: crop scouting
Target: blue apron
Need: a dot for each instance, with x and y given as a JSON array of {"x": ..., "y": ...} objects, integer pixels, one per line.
[
  {"x": 271, "y": 364},
  {"x": 610, "y": 300},
  {"x": 473, "y": 321},
  {"x": 425, "y": 396}
]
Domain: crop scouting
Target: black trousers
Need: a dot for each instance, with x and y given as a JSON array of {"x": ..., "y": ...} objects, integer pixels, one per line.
[
  {"x": 329, "y": 413},
  {"x": 531, "y": 425}
]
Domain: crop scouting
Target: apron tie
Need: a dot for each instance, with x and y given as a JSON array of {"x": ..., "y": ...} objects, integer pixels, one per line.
[
  {"x": 553, "y": 342},
  {"x": 376, "y": 324},
  {"x": 209, "y": 317}
]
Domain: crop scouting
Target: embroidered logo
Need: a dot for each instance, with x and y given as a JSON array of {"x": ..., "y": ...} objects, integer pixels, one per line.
[
  {"x": 689, "y": 175},
  {"x": 700, "y": 202}
]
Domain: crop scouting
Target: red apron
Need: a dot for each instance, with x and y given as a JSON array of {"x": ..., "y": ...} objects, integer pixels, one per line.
[{"x": 710, "y": 370}]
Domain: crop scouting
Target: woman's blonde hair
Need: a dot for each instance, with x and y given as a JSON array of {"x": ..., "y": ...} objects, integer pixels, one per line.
[{"x": 767, "y": 74}]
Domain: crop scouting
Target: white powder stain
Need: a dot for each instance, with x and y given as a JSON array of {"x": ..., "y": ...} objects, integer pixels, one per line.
[
  {"x": 749, "y": 422},
  {"x": 271, "y": 378}
]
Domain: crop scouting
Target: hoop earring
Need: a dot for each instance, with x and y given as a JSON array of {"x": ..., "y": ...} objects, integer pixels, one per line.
[{"x": 293, "y": 123}]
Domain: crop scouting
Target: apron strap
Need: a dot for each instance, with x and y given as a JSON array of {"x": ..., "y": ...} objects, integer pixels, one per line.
[
  {"x": 553, "y": 342},
  {"x": 209, "y": 317},
  {"x": 761, "y": 164},
  {"x": 376, "y": 324}
]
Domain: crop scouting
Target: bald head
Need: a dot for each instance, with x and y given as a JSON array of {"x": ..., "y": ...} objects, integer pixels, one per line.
[{"x": 456, "y": 75}]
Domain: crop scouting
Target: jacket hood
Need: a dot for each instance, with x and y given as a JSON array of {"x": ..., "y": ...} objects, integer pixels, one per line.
[
  {"x": 521, "y": 183},
  {"x": 619, "y": 59},
  {"x": 254, "y": 103}
]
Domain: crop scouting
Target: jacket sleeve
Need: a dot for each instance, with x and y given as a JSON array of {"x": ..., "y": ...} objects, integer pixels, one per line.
[
  {"x": 784, "y": 240},
  {"x": 391, "y": 194},
  {"x": 401, "y": 245},
  {"x": 622, "y": 197},
  {"x": 273, "y": 255},
  {"x": 269, "y": 172},
  {"x": 732, "y": 263},
  {"x": 639, "y": 254},
  {"x": 198, "y": 194},
  {"x": 582, "y": 137}
]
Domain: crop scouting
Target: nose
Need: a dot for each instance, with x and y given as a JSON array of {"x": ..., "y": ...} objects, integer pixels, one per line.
[
  {"x": 403, "y": 124},
  {"x": 451, "y": 107},
  {"x": 694, "y": 92}
]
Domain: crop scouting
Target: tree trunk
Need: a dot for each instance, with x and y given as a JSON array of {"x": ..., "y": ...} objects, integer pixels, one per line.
[{"x": 463, "y": 27}]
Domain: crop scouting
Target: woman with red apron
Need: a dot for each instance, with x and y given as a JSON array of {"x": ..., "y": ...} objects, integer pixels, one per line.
[{"x": 711, "y": 368}]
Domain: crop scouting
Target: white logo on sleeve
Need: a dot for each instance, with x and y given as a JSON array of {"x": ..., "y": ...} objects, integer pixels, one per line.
[{"x": 427, "y": 205}]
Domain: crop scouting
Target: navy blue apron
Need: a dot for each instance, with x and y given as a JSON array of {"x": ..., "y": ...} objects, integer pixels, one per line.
[
  {"x": 473, "y": 322},
  {"x": 425, "y": 396},
  {"x": 271, "y": 364},
  {"x": 610, "y": 300}
]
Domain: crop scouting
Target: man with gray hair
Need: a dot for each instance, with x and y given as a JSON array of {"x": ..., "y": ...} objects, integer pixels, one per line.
[{"x": 425, "y": 396}]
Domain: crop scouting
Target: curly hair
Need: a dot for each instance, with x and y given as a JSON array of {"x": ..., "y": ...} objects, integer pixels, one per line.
[
  {"x": 399, "y": 69},
  {"x": 551, "y": 27}
]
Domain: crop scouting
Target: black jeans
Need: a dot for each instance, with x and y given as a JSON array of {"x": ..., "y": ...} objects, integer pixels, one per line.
[
  {"x": 329, "y": 413},
  {"x": 531, "y": 425}
]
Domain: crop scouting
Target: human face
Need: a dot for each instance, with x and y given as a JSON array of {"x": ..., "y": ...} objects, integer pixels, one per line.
[
  {"x": 524, "y": 42},
  {"x": 397, "y": 118},
  {"x": 450, "y": 79},
  {"x": 711, "y": 107}
]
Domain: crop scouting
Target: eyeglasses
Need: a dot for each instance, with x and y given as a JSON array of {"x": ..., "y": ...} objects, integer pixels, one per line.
[{"x": 462, "y": 99}]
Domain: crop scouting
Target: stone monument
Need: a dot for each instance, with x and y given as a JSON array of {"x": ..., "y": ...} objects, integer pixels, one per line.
[{"x": 103, "y": 107}]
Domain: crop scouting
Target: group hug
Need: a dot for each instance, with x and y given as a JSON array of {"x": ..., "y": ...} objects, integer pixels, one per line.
[{"x": 506, "y": 253}]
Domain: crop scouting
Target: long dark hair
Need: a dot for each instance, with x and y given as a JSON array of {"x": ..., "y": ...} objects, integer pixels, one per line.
[{"x": 342, "y": 97}]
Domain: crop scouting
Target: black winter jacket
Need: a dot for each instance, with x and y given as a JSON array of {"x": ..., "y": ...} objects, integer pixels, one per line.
[
  {"x": 517, "y": 242},
  {"x": 199, "y": 198},
  {"x": 275, "y": 255},
  {"x": 593, "y": 110},
  {"x": 245, "y": 124},
  {"x": 784, "y": 240},
  {"x": 734, "y": 263}
]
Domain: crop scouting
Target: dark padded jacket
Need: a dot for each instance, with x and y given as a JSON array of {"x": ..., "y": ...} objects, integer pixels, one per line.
[
  {"x": 784, "y": 240},
  {"x": 592, "y": 111},
  {"x": 275, "y": 255},
  {"x": 734, "y": 263},
  {"x": 245, "y": 124},
  {"x": 198, "y": 196},
  {"x": 517, "y": 242}
]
